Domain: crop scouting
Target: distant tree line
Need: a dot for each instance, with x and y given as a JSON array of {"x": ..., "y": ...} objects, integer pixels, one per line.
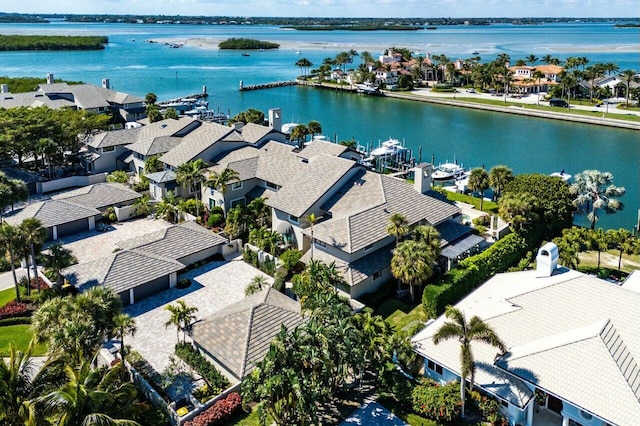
[
  {"x": 247, "y": 43},
  {"x": 362, "y": 27},
  {"x": 28, "y": 84},
  {"x": 15, "y": 18},
  {"x": 41, "y": 42}
]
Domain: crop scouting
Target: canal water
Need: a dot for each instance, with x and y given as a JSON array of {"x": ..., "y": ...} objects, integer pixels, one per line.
[{"x": 473, "y": 138}]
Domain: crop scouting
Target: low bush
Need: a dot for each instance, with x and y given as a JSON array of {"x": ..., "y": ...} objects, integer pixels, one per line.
[
  {"x": 183, "y": 283},
  {"x": 189, "y": 354},
  {"x": 279, "y": 282},
  {"x": 15, "y": 321},
  {"x": 220, "y": 412},
  {"x": 441, "y": 403},
  {"x": 268, "y": 267},
  {"x": 217, "y": 210},
  {"x": 488, "y": 406},
  {"x": 15, "y": 309},
  {"x": 215, "y": 219}
]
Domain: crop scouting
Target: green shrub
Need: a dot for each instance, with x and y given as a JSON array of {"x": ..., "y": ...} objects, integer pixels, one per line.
[
  {"x": 5, "y": 265},
  {"x": 279, "y": 281},
  {"x": 483, "y": 220},
  {"x": 215, "y": 219},
  {"x": 437, "y": 402},
  {"x": 183, "y": 283},
  {"x": 290, "y": 259},
  {"x": 217, "y": 210},
  {"x": 268, "y": 267},
  {"x": 189, "y": 354},
  {"x": 473, "y": 271},
  {"x": 15, "y": 321},
  {"x": 250, "y": 256}
]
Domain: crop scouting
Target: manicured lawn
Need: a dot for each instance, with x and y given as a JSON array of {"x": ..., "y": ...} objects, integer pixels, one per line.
[
  {"x": 398, "y": 314},
  {"x": 20, "y": 335},
  {"x": 250, "y": 419},
  {"x": 487, "y": 206},
  {"x": 7, "y": 296},
  {"x": 609, "y": 259}
]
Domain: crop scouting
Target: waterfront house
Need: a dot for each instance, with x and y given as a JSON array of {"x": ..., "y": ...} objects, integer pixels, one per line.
[
  {"x": 239, "y": 336},
  {"x": 524, "y": 80},
  {"x": 122, "y": 106},
  {"x": 573, "y": 346},
  {"x": 112, "y": 150}
]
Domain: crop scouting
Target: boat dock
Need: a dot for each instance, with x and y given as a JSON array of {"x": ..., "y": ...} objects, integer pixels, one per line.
[
  {"x": 271, "y": 85},
  {"x": 201, "y": 95}
]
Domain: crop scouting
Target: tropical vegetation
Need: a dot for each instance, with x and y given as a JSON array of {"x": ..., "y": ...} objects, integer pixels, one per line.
[
  {"x": 247, "y": 43},
  {"x": 45, "y": 42}
]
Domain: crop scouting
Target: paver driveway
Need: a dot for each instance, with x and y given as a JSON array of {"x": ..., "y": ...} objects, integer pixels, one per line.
[
  {"x": 215, "y": 286},
  {"x": 92, "y": 245}
]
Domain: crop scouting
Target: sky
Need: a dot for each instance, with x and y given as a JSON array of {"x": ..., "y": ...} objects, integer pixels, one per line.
[{"x": 336, "y": 8}]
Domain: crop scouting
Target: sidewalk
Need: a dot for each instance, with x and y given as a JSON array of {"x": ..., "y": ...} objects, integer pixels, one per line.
[{"x": 6, "y": 278}]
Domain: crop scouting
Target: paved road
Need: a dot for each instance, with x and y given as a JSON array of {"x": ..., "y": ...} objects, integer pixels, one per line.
[{"x": 6, "y": 278}]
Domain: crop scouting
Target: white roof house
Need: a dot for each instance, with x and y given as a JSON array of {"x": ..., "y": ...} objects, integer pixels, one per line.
[{"x": 572, "y": 337}]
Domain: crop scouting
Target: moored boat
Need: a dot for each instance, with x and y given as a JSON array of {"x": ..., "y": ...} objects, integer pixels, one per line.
[
  {"x": 448, "y": 171},
  {"x": 562, "y": 175}
]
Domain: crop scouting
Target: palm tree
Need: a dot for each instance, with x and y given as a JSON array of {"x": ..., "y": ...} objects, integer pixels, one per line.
[
  {"x": 311, "y": 219},
  {"x": 624, "y": 241},
  {"x": 412, "y": 264},
  {"x": 314, "y": 128},
  {"x": 153, "y": 164},
  {"x": 601, "y": 241},
  {"x": 124, "y": 324},
  {"x": 499, "y": 177},
  {"x": 57, "y": 259},
  {"x": 16, "y": 371},
  {"x": 479, "y": 181},
  {"x": 142, "y": 205},
  {"x": 592, "y": 73},
  {"x": 167, "y": 209},
  {"x": 191, "y": 175},
  {"x": 256, "y": 285},
  {"x": 430, "y": 236},
  {"x": 531, "y": 59},
  {"x": 34, "y": 234},
  {"x": 90, "y": 397},
  {"x": 537, "y": 76},
  {"x": 517, "y": 209},
  {"x": 10, "y": 241},
  {"x": 596, "y": 189},
  {"x": 398, "y": 226},
  {"x": 628, "y": 76},
  {"x": 466, "y": 332},
  {"x": 220, "y": 181},
  {"x": 181, "y": 316},
  {"x": 304, "y": 64}
]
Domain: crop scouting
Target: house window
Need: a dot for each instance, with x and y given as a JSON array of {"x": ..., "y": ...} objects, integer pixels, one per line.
[
  {"x": 108, "y": 149},
  {"x": 438, "y": 369},
  {"x": 271, "y": 185},
  {"x": 431, "y": 365},
  {"x": 238, "y": 202},
  {"x": 504, "y": 403},
  {"x": 236, "y": 185},
  {"x": 293, "y": 218},
  {"x": 377, "y": 275}
]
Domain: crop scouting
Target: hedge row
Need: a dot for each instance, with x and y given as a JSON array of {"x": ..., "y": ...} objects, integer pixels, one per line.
[
  {"x": 15, "y": 321},
  {"x": 219, "y": 413},
  {"x": 189, "y": 354},
  {"x": 473, "y": 271}
]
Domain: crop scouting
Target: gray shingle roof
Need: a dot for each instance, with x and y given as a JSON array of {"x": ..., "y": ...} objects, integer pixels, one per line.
[
  {"x": 253, "y": 133},
  {"x": 196, "y": 142},
  {"x": 100, "y": 195},
  {"x": 318, "y": 147},
  {"x": 51, "y": 213},
  {"x": 361, "y": 208},
  {"x": 121, "y": 271},
  {"x": 239, "y": 336},
  {"x": 573, "y": 335},
  {"x": 175, "y": 242},
  {"x": 155, "y": 146},
  {"x": 143, "y": 138},
  {"x": 162, "y": 176},
  {"x": 355, "y": 272},
  {"x": 322, "y": 173}
]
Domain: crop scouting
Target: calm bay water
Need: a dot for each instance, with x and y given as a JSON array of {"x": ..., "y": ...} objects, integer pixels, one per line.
[{"x": 474, "y": 138}]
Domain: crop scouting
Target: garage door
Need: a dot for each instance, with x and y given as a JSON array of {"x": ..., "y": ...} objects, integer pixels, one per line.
[
  {"x": 73, "y": 227},
  {"x": 151, "y": 288}
]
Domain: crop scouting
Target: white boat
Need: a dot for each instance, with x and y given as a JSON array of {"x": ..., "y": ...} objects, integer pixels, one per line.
[
  {"x": 367, "y": 88},
  {"x": 389, "y": 148},
  {"x": 562, "y": 175},
  {"x": 448, "y": 171}
]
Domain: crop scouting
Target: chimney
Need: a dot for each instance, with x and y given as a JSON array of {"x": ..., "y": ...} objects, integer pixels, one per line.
[
  {"x": 105, "y": 83},
  {"x": 275, "y": 119},
  {"x": 50, "y": 78},
  {"x": 4, "y": 88},
  {"x": 237, "y": 126},
  {"x": 547, "y": 260},
  {"x": 422, "y": 177}
]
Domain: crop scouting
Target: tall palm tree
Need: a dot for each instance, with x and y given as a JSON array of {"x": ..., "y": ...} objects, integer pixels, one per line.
[
  {"x": 90, "y": 397},
  {"x": 398, "y": 226},
  {"x": 430, "y": 236},
  {"x": 624, "y": 241},
  {"x": 168, "y": 208},
  {"x": 10, "y": 241},
  {"x": 499, "y": 177},
  {"x": 57, "y": 259},
  {"x": 466, "y": 332},
  {"x": 142, "y": 205},
  {"x": 191, "y": 174},
  {"x": 412, "y": 264},
  {"x": 181, "y": 316},
  {"x": 220, "y": 181},
  {"x": 124, "y": 325},
  {"x": 311, "y": 219},
  {"x": 314, "y": 128},
  {"x": 627, "y": 77},
  {"x": 34, "y": 234},
  {"x": 531, "y": 59},
  {"x": 537, "y": 76},
  {"x": 479, "y": 181},
  {"x": 601, "y": 241},
  {"x": 595, "y": 190}
]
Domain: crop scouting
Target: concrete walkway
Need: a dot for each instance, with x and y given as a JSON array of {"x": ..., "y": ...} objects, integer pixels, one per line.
[
  {"x": 6, "y": 278},
  {"x": 215, "y": 286}
]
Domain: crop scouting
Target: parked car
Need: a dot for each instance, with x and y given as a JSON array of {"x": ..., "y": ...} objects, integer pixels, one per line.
[
  {"x": 558, "y": 103},
  {"x": 472, "y": 90}
]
